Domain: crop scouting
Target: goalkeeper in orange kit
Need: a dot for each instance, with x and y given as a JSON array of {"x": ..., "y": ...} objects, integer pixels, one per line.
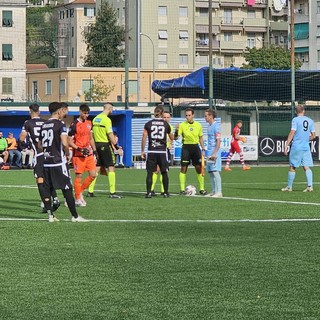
[{"x": 235, "y": 148}]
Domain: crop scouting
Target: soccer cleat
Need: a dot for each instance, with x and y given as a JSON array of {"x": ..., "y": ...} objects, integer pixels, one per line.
[
  {"x": 55, "y": 205},
  {"x": 114, "y": 196},
  {"x": 153, "y": 193},
  {"x": 203, "y": 192},
  {"x": 52, "y": 218},
  {"x": 217, "y": 195},
  {"x": 82, "y": 200},
  {"x": 166, "y": 195},
  {"x": 210, "y": 194},
  {"x": 308, "y": 189},
  {"x": 288, "y": 189},
  {"x": 182, "y": 193},
  {"x": 227, "y": 169},
  {"x": 78, "y": 219},
  {"x": 245, "y": 168},
  {"x": 148, "y": 195},
  {"x": 79, "y": 203},
  {"x": 90, "y": 194}
]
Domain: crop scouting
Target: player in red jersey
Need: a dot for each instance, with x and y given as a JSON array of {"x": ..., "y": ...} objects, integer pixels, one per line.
[
  {"x": 80, "y": 138},
  {"x": 235, "y": 148}
]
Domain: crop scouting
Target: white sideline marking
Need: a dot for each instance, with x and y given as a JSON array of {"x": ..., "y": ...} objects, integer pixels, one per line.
[{"x": 173, "y": 221}]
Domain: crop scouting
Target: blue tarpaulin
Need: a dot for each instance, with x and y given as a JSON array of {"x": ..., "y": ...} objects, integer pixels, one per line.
[{"x": 234, "y": 84}]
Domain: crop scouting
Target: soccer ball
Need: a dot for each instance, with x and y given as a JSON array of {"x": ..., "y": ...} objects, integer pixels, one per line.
[{"x": 190, "y": 190}]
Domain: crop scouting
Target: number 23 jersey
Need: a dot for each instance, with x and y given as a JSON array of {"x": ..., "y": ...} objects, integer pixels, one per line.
[{"x": 157, "y": 130}]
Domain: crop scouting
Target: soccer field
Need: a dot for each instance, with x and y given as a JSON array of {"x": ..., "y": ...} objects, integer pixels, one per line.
[{"x": 253, "y": 254}]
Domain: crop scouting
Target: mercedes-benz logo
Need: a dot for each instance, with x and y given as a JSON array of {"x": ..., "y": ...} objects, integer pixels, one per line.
[{"x": 267, "y": 146}]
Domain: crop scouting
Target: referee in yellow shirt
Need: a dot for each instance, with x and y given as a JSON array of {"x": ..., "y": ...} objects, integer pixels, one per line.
[
  {"x": 105, "y": 141},
  {"x": 192, "y": 136}
]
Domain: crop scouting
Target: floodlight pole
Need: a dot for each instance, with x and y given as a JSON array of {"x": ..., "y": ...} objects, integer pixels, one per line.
[
  {"x": 293, "y": 85},
  {"x": 126, "y": 54},
  {"x": 210, "y": 57}
]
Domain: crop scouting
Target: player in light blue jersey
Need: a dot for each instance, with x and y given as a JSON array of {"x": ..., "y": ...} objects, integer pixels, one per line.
[
  {"x": 213, "y": 153},
  {"x": 302, "y": 132}
]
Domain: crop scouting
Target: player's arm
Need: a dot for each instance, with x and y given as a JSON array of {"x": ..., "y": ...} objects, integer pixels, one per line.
[
  {"x": 113, "y": 141},
  {"x": 23, "y": 135},
  {"x": 65, "y": 144},
  {"x": 202, "y": 144},
  {"x": 92, "y": 143},
  {"x": 313, "y": 135},
  {"x": 176, "y": 132},
  {"x": 289, "y": 140},
  {"x": 143, "y": 143}
]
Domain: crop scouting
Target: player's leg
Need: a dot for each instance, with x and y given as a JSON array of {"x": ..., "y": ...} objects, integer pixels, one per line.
[
  {"x": 229, "y": 158},
  {"x": 195, "y": 156},
  {"x": 307, "y": 162},
  {"x": 152, "y": 168},
  {"x": 163, "y": 167},
  {"x": 185, "y": 161}
]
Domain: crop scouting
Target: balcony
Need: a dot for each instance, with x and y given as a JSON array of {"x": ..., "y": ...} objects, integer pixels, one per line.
[
  {"x": 255, "y": 25},
  {"x": 279, "y": 26},
  {"x": 203, "y": 45},
  {"x": 233, "y": 46},
  {"x": 229, "y": 24}
]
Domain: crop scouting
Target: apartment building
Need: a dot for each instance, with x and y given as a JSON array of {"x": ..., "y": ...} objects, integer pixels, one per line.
[
  {"x": 13, "y": 54},
  {"x": 74, "y": 18},
  {"x": 168, "y": 34}
]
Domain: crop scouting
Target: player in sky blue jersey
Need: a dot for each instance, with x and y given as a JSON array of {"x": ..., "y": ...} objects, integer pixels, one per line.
[
  {"x": 301, "y": 133},
  {"x": 213, "y": 153}
]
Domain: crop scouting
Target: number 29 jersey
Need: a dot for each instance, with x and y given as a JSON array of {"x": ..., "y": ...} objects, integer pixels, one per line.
[
  {"x": 157, "y": 130},
  {"x": 51, "y": 142}
]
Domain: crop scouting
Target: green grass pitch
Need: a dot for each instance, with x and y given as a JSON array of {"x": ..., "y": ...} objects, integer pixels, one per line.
[{"x": 253, "y": 254}]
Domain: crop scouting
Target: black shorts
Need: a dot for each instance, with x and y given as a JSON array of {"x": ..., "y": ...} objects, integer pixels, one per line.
[
  {"x": 38, "y": 167},
  {"x": 58, "y": 177},
  {"x": 106, "y": 157},
  {"x": 190, "y": 153},
  {"x": 157, "y": 159}
]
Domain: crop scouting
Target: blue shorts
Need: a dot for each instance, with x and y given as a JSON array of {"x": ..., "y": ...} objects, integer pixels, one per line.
[
  {"x": 299, "y": 158},
  {"x": 214, "y": 165}
]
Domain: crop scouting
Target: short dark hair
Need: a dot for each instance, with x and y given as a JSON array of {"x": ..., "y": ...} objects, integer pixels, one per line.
[
  {"x": 211, "y": 112},
  {"x": 34, "y": 107},
  {"x": 54, "y": 107},
  {"x": 239, "y": 121},
  {"x": 64, "y": 105},
  {"x": 190, "y": 109},
  {"x": 84, "y": 107}
]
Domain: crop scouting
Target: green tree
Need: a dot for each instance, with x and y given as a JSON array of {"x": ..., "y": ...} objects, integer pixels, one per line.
[
  {"x": 105, "y": 40},
  {"x": 99, "y": 91},
  {"x": 269, "y": 58},
  {"x": 41, "y": 36}
]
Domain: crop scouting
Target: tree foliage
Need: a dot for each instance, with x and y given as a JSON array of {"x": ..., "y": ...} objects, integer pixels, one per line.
[
  {"x": 99, "y": 90},
  {"x": 41, "y": 36},
  {"x": 105, "y": 40},
  {"x": 276, "y": 58}
]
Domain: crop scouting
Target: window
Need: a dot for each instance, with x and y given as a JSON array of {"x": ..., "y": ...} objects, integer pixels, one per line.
[
  {"x": 72, "y": 52},
  {"x": 71, "y": 13},
  {"x": 251, "y": 13},
  {"x": 183, "y": 35},
  {"x": 227, "y": 36},
  {"x": 72, "y": 31},
  {"x": 7, "y": 18},
  {"x": 7, "y": 52},
  {"x": 89, "y": 12},
  {"x": 318, "y": 55},
  {"x": 227, "y": 16},
  {"x": 48, "y": 87},
  {"x": 251, "y": 40},
  {"x": 204, "y": 59},
  {"x": 183, "y": 59},
  {"x": 61, "y": 15},
  {"x": 162, "y": 58},
  {"x": 163, "y": 34},
  {"x": 203, "y": 12},
  {"x": 183, "y": 11},
  {"x": 86, "y": 88},
  {"x": 162, "y": 11},
  {"x": 318, "y": 6},
  {"x": 7, "y": 85},
  {"x": 62, "y": 86}
]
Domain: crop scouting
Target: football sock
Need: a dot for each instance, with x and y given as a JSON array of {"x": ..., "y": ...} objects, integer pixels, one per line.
[
  {"x": 86, "y": 183},
  {"x": 154, "y": 180},
  {"x": 77, "y": 187},
  {"x": 213, "y": 182},
  {"x": 291, "y": 176},
  {"x": 201, "y": 181},
  {"x": 92, "y": 184},
  {"x": 161, "y": 184},
  {"x": 45, "y": 195},
  {"x": 165, "y": 180},
  {"x": 149, "y": 181},
  {"x": 217, "y": 178},
  {"x": 182, "y": 179},
  {"x": 229, "y": 159},
  {"x": 53, "y": 193},
  {"x": 112, "y": 182},
  {"x": 241, "y": 158},
  {"x": 309, "y": 177},
  {"x": 67, "y": 193}
]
